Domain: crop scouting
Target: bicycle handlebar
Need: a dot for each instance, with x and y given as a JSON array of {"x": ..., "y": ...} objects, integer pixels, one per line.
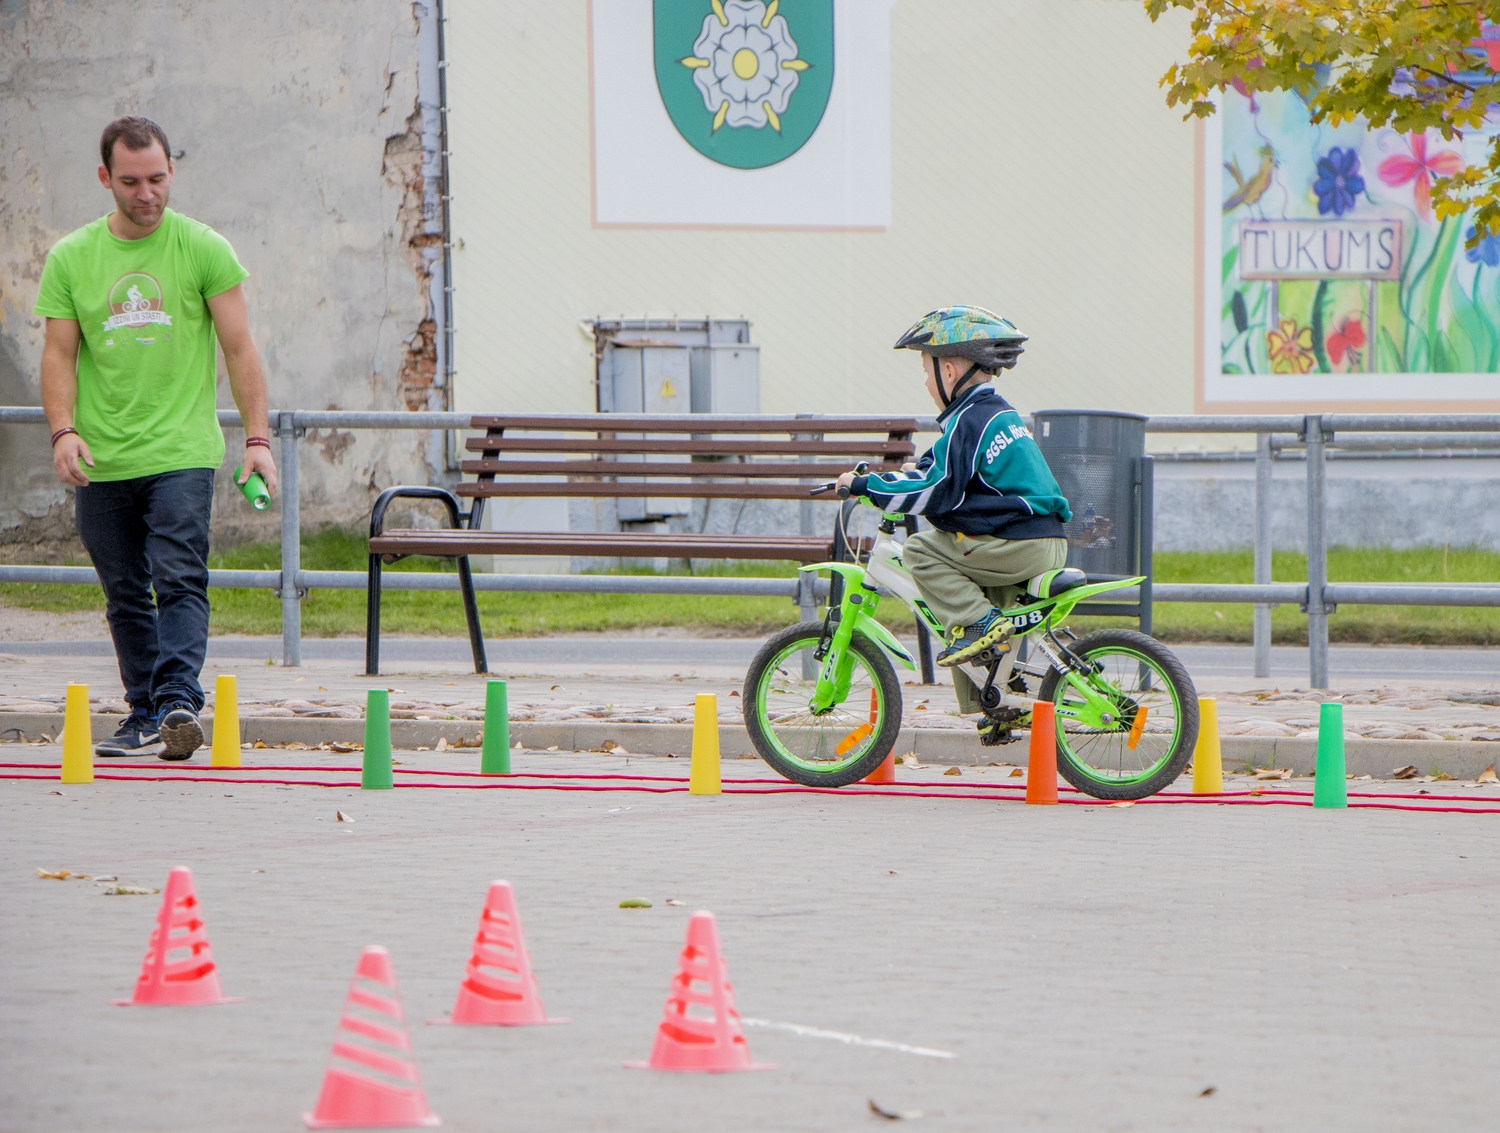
[{"x": 860, "y": 469}]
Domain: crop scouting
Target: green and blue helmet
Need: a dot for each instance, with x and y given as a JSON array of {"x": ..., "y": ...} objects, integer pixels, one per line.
[{"x": 981, "y": 337}]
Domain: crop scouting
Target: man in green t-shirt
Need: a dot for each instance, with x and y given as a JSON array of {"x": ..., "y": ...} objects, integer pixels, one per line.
[{"x": 134, "y": 302}]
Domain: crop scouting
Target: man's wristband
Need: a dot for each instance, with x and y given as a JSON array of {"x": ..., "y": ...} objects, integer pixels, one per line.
[
  {"x": 260, "y": 442},
  {"x": 63, "y": 432}
]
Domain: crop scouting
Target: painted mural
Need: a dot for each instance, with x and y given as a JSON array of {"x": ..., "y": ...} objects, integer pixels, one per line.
[{"x": 1332, "y": 262}]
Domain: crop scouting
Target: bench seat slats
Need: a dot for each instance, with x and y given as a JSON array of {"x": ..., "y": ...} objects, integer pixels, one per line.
[
  {"x": 610, "y": 544},
  {"x": 599, "y": 489},
  {"x": 690, "y": 447},
  {"x": 699, "y": 423},
  {"x": 786, "y": 469}
]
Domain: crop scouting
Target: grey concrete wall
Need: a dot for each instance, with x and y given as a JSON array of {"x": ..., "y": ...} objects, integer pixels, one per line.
[
  {"x": 297, "y": 136},
  {"x": 1369, "y": 503}
]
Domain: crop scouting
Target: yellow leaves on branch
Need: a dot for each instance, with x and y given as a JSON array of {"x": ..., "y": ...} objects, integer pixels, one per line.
[{"x": 1408, "y": 64}]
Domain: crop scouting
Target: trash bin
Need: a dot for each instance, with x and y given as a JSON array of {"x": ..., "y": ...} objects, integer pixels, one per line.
[{"x": 1099, "y": 459}]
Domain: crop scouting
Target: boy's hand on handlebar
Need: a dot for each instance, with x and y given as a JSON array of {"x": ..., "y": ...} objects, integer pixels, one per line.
[{"x": 843, "y": 484}]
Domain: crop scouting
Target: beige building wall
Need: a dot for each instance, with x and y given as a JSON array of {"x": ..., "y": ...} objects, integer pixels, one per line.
[{"x": 1036, "y": 170}]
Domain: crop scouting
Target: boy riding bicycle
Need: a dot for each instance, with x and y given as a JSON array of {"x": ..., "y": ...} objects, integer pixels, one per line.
[{"x": 996, "y": 511}]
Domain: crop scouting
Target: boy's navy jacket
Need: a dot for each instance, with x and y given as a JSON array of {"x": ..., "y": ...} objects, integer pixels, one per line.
[{"x": 985, "y": 476}]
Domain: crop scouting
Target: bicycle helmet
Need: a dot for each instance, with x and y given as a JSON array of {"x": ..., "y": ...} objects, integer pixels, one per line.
[{"x": 981, "y": 337}]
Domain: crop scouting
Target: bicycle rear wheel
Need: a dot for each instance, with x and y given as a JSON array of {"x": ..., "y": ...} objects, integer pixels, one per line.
[
  {"x": 1156, "y": 722},
  {"x": 831, "y": 749}
]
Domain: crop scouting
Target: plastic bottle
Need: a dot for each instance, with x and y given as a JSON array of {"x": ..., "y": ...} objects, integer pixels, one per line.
[{"x": 253, "y": 489}]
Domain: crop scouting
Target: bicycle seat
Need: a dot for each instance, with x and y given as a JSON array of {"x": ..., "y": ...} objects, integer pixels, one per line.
[{"x": 1052, "y": 583}]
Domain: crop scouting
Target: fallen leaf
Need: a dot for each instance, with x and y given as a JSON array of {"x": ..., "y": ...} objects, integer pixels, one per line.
[
  {"x": 59, "y": 792},
  {"x": 1441, "y": 776},
  {"x": 554, "y": 747},
  {"x": 608, "y": 746},
  {"x": 1407, "y": 772},
  {"x": 340, "y": 816},
  {"x": 1485, "y": 776},
  {"x": 554, "y": 688},
  {"x": 1016, "y": 773},
  {"x": 129, "y": 891},
  {"x": 1274, "y": 773},
  {"x": 910, "y": 760},
  {"x": 105, "y": 877},
  {"x": 257, "y": 871},
  {"x": 442, "y": 744},
  {"x": 675, "y": 901},
  {"x": 342, "y": 747},
  {"x": 296, "y": 745},
  {"x": 635, "y": 903},
  {"x": 1124, "y": 802},
  {"x": 953, "y": 771},
  {"x": 260, "y": 743},
  {"x": 734, "y": 692},
  {"x": 1208, "y": 1091},
  {"x": 60, "y": 874},
  {"x": 894, "y": 1114}
]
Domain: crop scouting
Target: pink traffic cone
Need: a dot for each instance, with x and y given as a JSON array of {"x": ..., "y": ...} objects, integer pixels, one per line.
[
  {"x": 499, "y": 987},
  {"x": 190, "y": 980}
]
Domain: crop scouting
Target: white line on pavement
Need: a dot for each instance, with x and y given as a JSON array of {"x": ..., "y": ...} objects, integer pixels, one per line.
[{"x": 846, "y": 1039}]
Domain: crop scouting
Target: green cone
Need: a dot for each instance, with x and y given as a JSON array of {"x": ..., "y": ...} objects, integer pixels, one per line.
[
  {"x": 377, "y": 769},
  {"x": 494, "y": 759},
  {"x": 1330, "y": 790}
]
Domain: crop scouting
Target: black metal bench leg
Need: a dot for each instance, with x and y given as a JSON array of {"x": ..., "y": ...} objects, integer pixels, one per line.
[
  {"x": 471, "y": 612},
  {"x": 372, "y": 619}
]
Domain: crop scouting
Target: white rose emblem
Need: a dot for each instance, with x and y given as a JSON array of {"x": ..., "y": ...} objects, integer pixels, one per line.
[{"x": 745, "y": 64}]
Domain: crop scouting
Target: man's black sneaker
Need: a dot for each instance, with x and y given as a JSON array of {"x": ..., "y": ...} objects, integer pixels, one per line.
[
  {"x": 181, "y": 733},
  {"x": 137, "y": 735}
]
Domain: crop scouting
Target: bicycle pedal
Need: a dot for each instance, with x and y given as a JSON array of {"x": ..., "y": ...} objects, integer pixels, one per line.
[{"x": 989, "y": 655}]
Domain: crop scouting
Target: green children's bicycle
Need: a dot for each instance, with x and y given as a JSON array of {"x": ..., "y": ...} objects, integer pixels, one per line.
[{"x": 822, "y": 701}]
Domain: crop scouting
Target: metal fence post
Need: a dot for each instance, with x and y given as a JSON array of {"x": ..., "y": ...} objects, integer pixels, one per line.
[
  {"x": 291, "y": 540},
  {"x": 1317, "y": 554},
  {"x": 1262, "y": 616}
]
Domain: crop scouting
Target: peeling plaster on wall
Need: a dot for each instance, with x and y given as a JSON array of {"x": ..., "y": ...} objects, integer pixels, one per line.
[{"x": 285, "y": 118}]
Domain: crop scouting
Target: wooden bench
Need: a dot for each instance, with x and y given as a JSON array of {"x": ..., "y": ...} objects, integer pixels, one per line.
[{"x": 607, "y": 455}]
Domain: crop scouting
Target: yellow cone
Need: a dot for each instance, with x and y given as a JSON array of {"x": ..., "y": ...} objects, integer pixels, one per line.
[
  {"x": 78, "y": 737},
  {"x": 703, "y": 778},
  {"x": 226, "y": 751},
  {"x": 1208, "y": 764}
]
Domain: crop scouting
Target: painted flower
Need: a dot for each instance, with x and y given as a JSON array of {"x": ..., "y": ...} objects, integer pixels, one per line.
[
  {"x": 1349, "y": 338},
  {"x": 1486, "y": 252},
  {"x": 1420, "y": 169},
  {"x": 1290, "y": 348},
  {"x": 1339, "y": 183},
  {"x": 745, "y": 64}
]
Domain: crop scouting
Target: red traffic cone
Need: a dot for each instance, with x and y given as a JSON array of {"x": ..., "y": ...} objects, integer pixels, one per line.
[
  {"x": 885, "y": 772},
  {"x": 1041, "y": 768},
  {"x": 686, "y": 1042},
  {"x": 371, "y": 1079},
  {"x": 499, "y": 987},
  {"x": 191, "y": 980}
]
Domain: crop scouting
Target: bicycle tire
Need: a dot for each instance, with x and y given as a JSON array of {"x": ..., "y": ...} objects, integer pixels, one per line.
[
  {"x": 1095, "y": 761},
  {"x": 802, "y": 763}
]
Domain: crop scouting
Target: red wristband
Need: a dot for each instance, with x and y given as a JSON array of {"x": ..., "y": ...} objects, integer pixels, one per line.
[
  {"x": 262, "y": 442},
  {"x": 63, "y": 432}
]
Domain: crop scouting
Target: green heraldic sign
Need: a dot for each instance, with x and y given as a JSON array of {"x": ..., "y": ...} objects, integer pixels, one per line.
[{"x": 744, "y": 81}]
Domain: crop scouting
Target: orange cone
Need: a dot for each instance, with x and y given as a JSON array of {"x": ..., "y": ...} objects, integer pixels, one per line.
[
  {"x": 689, "y": 1042},
  {"x": 886, "y": 772},
  {"x": 371, "y": 1079},
  {"x": 499, "y": 987},
  {"x": 191, "y": 980},
  {"x": 1041, "y": 769}
]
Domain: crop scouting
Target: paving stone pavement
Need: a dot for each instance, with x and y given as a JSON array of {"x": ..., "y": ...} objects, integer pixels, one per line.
[{"x": 1155, "y": 967}]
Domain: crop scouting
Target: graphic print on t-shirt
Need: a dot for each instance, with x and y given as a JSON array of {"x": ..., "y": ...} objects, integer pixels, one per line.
[{"x": 135, "y": 300}]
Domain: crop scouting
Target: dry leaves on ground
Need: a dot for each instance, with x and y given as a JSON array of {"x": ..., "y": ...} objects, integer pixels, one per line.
[
  {"x": 1407, "y": 772},
  {"x": 894, "y": 1114},
  {"x": 60, "y": 875},
  {"x": 1487, "y": 775},
  {"x": 340, "y": 816},
  {"x": 1274, "y": 773}
]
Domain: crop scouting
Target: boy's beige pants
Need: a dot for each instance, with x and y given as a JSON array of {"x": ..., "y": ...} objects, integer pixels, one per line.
[{"x": 962, "y": 577}]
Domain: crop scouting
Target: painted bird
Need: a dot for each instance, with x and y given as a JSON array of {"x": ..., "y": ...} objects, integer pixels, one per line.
[{"x": 1248, "y": 192}]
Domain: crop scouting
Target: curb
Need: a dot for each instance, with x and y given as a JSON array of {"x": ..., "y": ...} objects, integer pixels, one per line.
[{"x": 1461, "y": 759}]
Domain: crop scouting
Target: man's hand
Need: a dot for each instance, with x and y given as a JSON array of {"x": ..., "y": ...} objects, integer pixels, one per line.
[
  {"x": 846, "y": 480},
  {"x": 257, "y": 459},
  {"x": 69, "y": 455}
]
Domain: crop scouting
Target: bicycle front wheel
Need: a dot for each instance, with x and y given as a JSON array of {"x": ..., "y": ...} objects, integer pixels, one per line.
[
  {"x": 829, "y": 749},
  {"x": 1155, "y": 723}
]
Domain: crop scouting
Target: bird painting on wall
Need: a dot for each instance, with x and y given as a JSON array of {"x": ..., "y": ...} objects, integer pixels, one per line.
[{"x": 1249, "y": 192}]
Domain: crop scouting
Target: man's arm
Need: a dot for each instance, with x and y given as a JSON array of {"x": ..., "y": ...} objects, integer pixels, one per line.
[
  {"x": 59, "y": 396},
  {"x": 247, "y": 381}
]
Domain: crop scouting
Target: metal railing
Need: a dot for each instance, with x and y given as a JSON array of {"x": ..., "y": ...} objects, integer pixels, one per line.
[{"x": 1317, "y": 597}]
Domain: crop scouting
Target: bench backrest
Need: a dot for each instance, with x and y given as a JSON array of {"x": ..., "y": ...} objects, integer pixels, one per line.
[{"x": 698, "y": 456}]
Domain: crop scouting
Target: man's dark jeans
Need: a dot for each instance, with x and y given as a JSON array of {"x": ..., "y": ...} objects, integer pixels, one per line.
[{"x": 148, "y": 534}]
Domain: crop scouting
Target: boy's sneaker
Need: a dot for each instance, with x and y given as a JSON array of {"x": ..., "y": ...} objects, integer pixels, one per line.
[
  {"x": 181, "y": 733},
  {"x": 136, "y": 735},
  {"x": 965, "y": 643}
]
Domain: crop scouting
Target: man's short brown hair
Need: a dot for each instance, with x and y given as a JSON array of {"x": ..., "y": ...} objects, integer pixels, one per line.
[{"x": 136, "y": 132}]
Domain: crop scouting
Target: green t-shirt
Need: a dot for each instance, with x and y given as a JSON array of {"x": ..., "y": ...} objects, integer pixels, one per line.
[{"x": 146, "y": 366}]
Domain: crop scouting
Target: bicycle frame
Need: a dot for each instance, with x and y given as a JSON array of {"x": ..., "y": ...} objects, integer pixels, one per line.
[{"x": 886, "y": 576}]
